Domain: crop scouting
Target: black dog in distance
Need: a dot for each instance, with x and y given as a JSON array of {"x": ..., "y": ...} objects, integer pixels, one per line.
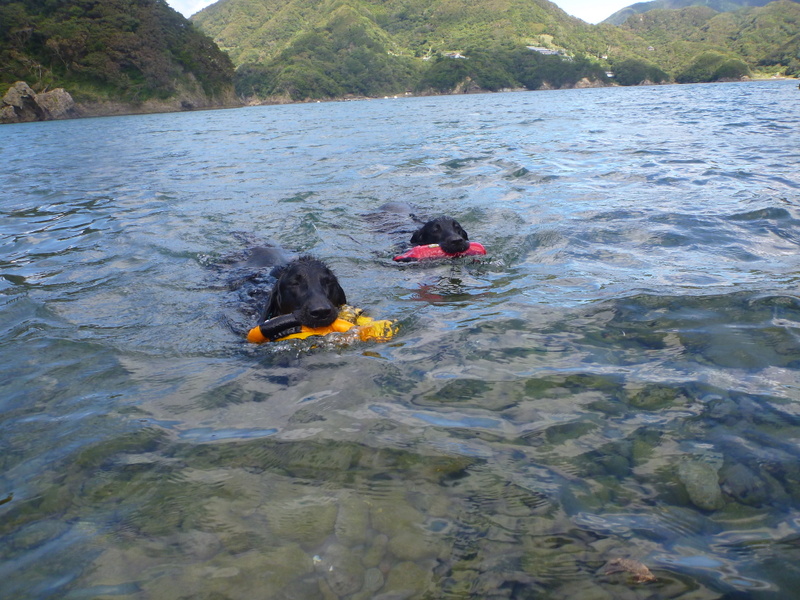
[{"x": 444, "y": 231}]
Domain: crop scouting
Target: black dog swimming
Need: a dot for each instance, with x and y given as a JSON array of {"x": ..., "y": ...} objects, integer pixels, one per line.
[
  {"x": 307, "y": 300},
  {"x": 439, "y": 238},
  {"x": 307, "y": 289},
  {"x": 393, "y": 218},
  {"x": 444, "y": 231}
]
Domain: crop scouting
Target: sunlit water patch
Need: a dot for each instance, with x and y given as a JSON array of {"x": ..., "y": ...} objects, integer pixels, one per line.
[{"x": 617, "y": 379}]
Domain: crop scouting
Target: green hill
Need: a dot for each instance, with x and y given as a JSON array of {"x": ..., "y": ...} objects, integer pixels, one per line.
[
  {"x": 112, "y": 51},
  {"x": 256, "y": 30},
  {"x": 622, "y": 15},
  {"x": 759, "y": 37},
  {"x": 305, "y": 49},
  {"x": 142, "y": 55},
  {"x": 295, "y": 49}
]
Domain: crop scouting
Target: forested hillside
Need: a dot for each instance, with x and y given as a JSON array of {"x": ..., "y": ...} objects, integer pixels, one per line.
[
  {"x": 683, "y": 40},
  {"x": 256, "y": 30},
  {"x": 305, "y": 49},
  {"x": 111, "y": 50},
  {"x": 142, "y": 51},
  {"x": 296, "y": 49},
  {"x": 619, "y": 17}
]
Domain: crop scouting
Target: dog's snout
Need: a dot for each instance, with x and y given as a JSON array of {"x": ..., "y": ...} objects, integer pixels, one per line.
[
  {"x": 321, "y": 311},
  {"x": 454, "y": 244}
]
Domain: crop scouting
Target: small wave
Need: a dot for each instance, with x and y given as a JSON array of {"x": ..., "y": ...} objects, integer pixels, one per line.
[
  {"x": 769, "y": 213},
  {"x": 208, "y": 434}
]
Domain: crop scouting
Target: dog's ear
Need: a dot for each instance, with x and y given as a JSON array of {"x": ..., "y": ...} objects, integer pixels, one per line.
[
  {"x": 273, "y": 307},
  {"x": 337, "y": 295}
]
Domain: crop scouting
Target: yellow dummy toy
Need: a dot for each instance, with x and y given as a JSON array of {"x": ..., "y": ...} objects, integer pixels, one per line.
[{"x": 350, "y": 321}]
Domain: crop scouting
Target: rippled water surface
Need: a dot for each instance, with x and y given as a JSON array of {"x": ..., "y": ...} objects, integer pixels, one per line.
[{"x": 619, "y": 378}]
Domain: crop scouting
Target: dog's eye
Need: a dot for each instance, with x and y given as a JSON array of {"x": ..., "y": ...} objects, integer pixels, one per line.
[{"x": 437, "y": 228}]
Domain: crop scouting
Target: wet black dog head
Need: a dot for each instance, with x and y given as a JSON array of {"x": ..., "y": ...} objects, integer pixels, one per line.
[
  {"x": 446, "y": 232},
  {"x": 309, "y": 290}
]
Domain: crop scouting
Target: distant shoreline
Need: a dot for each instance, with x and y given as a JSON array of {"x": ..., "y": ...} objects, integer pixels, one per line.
[
  {"x": 346, "y": 98},
  {"x": 90, "y": 110}
]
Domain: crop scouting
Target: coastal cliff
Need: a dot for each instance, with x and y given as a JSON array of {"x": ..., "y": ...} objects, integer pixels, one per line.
[{"x": 79, "y": 58}]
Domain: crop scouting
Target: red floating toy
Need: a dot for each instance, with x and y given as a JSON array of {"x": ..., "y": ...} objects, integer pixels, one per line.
[{"x": 435, "y": 251}]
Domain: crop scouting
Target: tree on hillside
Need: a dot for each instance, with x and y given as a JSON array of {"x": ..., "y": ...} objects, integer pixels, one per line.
[
  {"x": 444, "y": 74},
  {"x": 635, "y": 71},
  {"x": 713, "y": 66}
]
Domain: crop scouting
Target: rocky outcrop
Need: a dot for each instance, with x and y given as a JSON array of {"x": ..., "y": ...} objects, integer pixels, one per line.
[
  {"x": 21, "y": 105},
  {"x": 57, "y": 104},
  {"x": 589, "y": 83}
]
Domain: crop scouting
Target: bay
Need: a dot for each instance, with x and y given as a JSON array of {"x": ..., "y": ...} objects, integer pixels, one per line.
[{"x": 617, "y": 378}]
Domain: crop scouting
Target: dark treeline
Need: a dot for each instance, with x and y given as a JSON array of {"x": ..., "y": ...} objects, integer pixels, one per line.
[{"x": 501, "y": 68}]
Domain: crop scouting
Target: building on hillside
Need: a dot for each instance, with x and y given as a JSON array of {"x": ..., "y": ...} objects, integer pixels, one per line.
[{"x": 542, "y": 50}]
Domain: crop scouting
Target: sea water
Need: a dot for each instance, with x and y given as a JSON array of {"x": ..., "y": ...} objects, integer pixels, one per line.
[{"x": 619, "y": 378}]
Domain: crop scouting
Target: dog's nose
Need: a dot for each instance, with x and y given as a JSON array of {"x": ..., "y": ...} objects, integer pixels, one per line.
[{"x": 321, "y": 312}]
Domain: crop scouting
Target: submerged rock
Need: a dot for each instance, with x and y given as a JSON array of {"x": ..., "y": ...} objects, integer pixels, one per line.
[
  {"x": 352, "y": 521},
  {"x": 394, "y": 516},
  {"x": 307, "y": 521},
  {"x": 341, "y": 568},
  {"x": 375, "y": 553},
  {"x": 702, "y": 484},
  {"x": 412, "y": 546},
  {"x": 198, "y": 545},
  {"x": 744, "y": 485},
  {"x": 408, "y": 578},
  {"x": 373, "y": 580},
  {"x": 638, "y": 572}
]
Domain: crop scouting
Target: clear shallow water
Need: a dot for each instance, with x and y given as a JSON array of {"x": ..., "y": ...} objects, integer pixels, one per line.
[{"x": 619, "y": 378}]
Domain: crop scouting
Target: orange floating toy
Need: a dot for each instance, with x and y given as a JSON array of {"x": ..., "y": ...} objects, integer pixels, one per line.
[{"x": 351, "y": 320}]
